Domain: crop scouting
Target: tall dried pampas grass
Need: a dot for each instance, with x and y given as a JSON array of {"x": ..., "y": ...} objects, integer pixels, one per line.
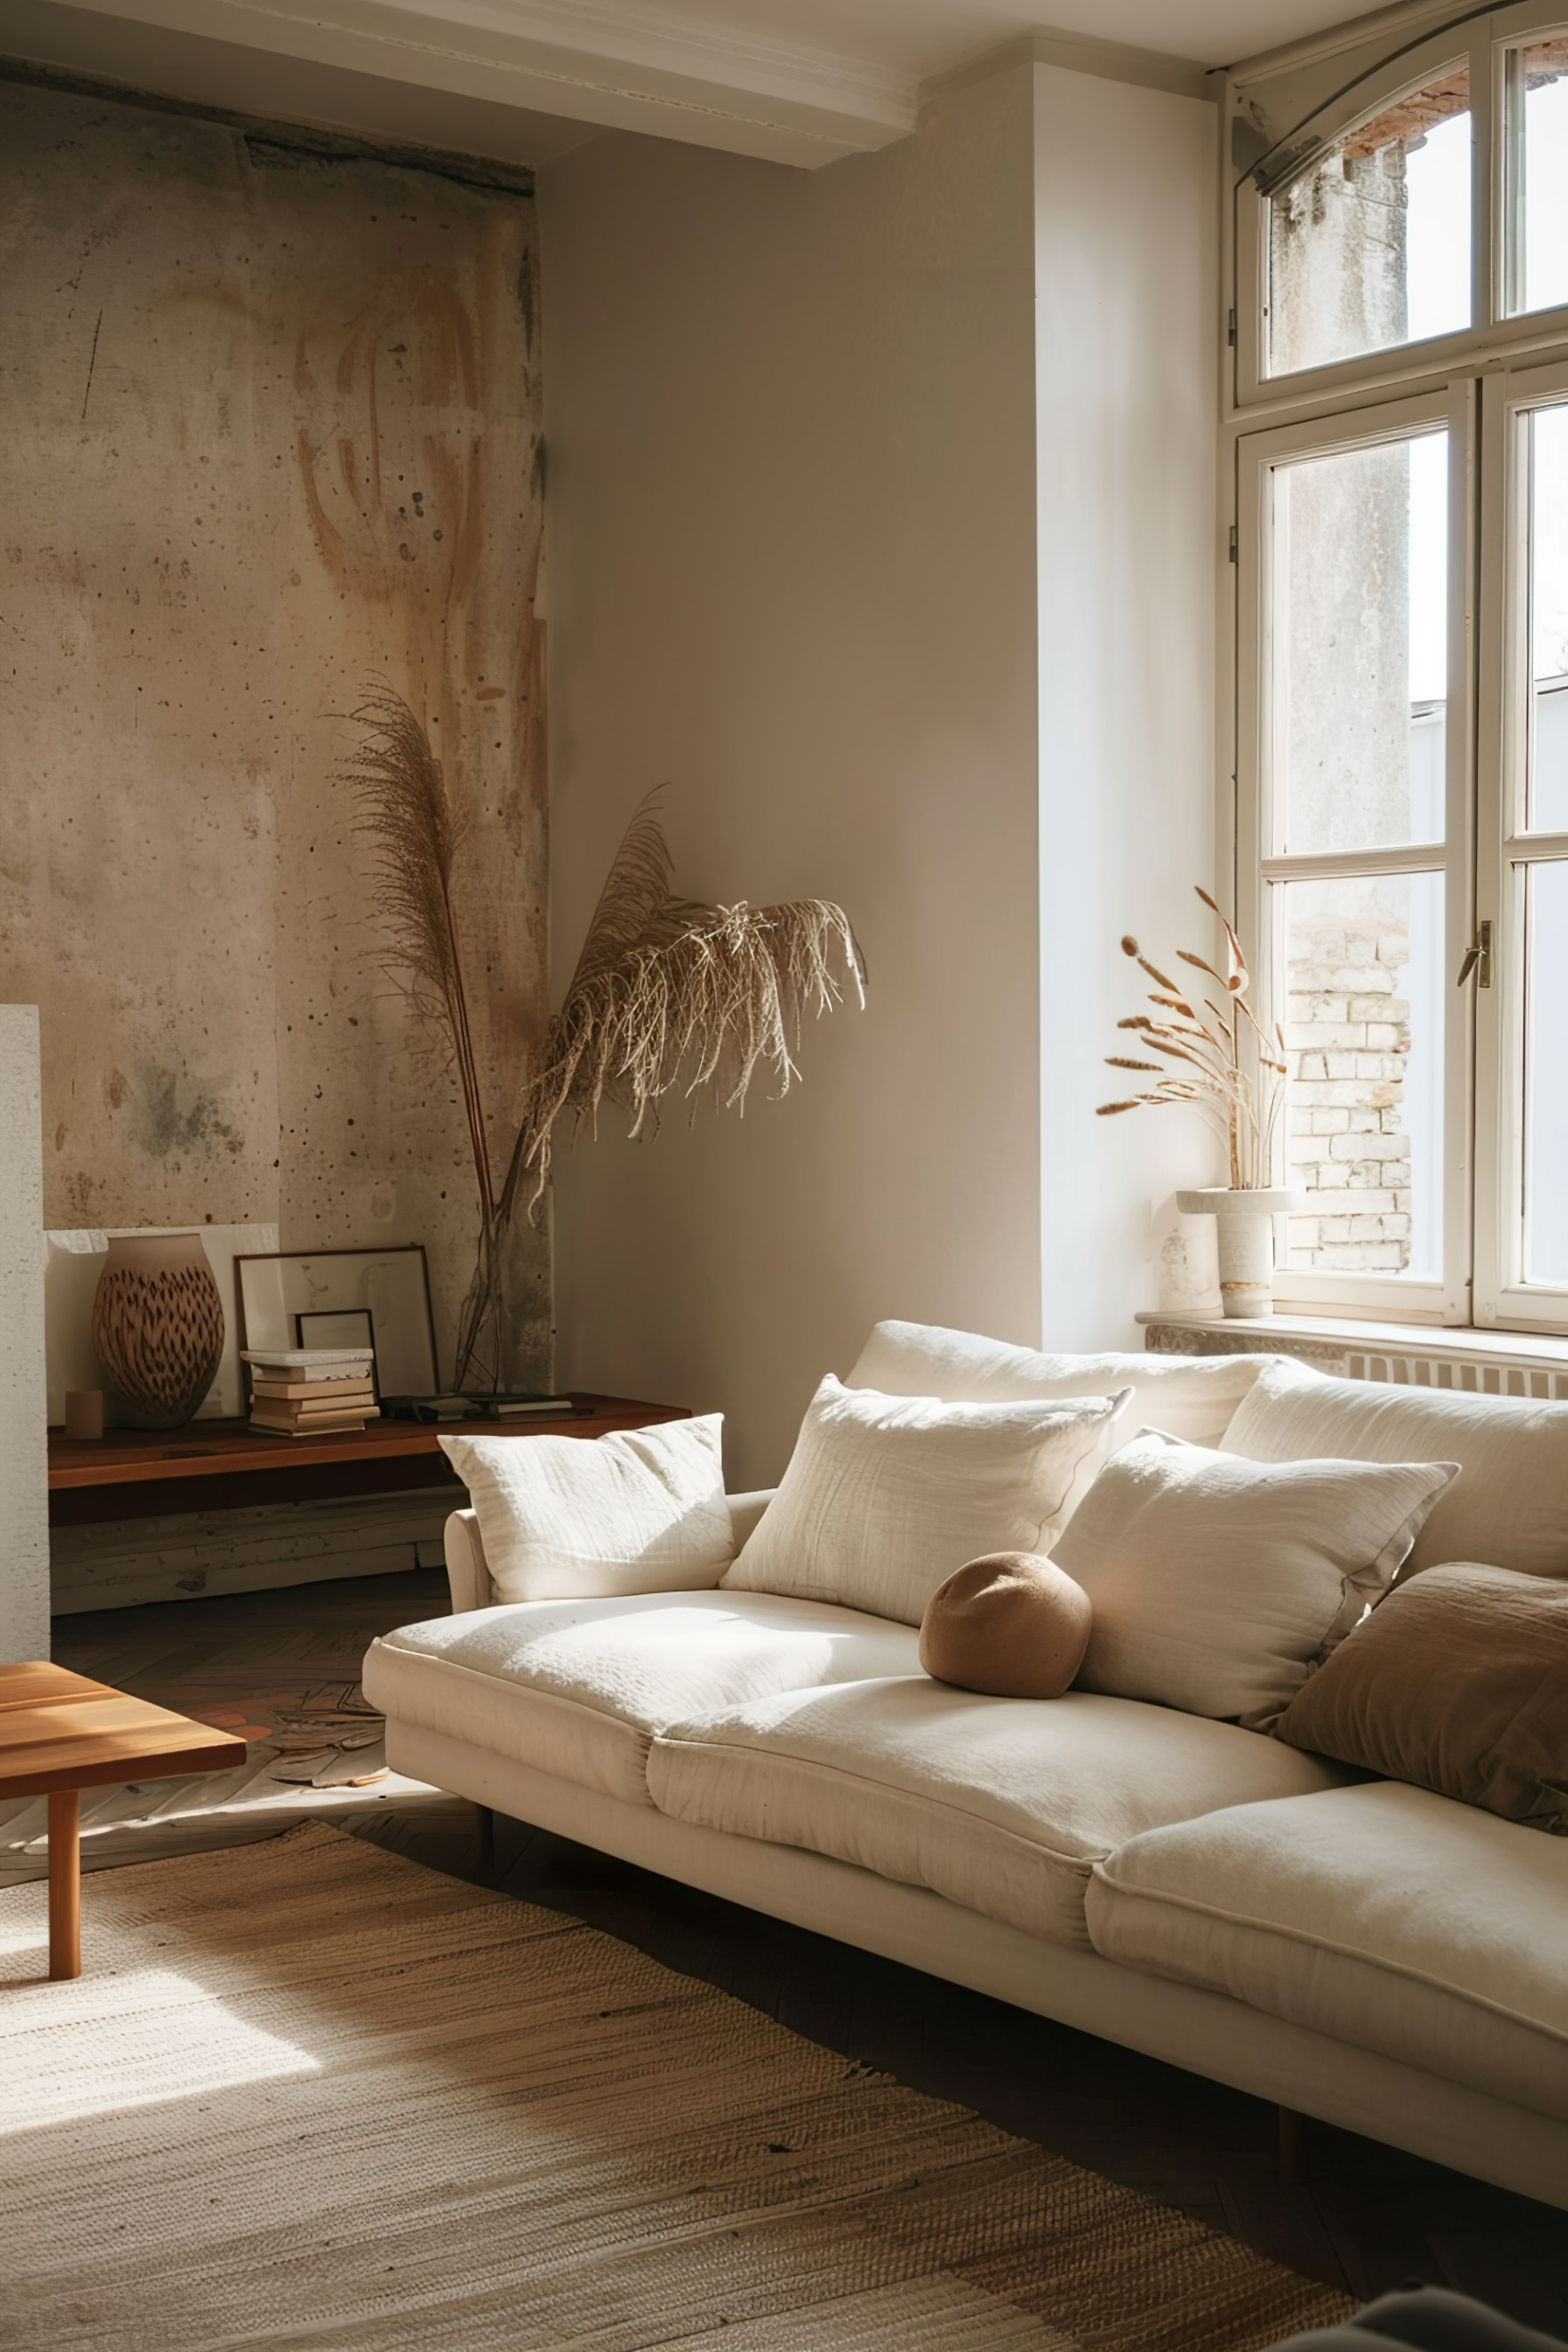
[{"x": 668, "y": 994}]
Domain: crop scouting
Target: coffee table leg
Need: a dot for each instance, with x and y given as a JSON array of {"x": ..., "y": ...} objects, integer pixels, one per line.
[{"x": 64, "y": 1884}]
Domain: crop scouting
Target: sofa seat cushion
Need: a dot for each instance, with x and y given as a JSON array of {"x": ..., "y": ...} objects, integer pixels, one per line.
[
  {"x": 578, "y": 1688},
  {"x": 1002, "y": 1804},
  {"x": 1380, "y": 1915}
]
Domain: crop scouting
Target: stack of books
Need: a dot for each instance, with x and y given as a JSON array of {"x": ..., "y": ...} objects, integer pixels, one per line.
[{"x": 303, "y": 1392}]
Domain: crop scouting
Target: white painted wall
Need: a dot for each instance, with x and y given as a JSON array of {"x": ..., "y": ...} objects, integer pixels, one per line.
[
  {"x": 24, "y": 1469},
  {"x": 792, "y": 425},
  {"x": 1126, "y": 259}
]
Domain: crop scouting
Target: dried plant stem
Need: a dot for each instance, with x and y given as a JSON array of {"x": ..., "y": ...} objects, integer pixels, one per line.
[
  {"x": 405, "y": 811},
  {"x": 707, "y": 1000},
  {"x": 1235, "y": 1071}
]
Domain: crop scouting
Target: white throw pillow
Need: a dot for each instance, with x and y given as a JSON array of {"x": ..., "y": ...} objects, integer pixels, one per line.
[
  {"x": 1511, "y": 1509},
  {"x": 1193, "y": 1396},
  {"x": 1218, "y": 1585},
  {"x": 884, "y": 1496},
  {"x": 640, "y": 1511}
]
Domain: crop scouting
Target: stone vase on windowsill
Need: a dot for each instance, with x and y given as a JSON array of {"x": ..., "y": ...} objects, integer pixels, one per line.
[{"x": 1245, "y": 1236}]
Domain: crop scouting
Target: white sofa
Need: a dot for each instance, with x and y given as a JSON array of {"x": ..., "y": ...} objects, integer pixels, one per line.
[{"x": 1360, "y": 1951}]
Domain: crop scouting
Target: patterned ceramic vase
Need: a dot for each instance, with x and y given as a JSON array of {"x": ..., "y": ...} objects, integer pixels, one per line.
[{"x": 158, "y": 1327}]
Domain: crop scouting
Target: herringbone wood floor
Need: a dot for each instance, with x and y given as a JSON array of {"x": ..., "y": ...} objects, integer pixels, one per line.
[{"x": 1366, "y": 2217}]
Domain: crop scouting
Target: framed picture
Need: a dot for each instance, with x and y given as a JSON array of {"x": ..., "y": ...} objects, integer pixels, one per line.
[{"x": 345, "y": 1298}]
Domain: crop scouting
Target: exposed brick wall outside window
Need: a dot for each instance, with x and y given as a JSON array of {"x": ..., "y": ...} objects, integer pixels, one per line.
[{"x": 1347, "y": 1039}]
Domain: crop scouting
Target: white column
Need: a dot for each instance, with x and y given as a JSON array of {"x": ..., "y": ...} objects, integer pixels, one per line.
[{"x": 24, "y": 1492}]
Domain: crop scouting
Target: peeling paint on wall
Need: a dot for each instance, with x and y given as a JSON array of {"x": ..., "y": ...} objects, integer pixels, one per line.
[{"x": 272, "y": 427}]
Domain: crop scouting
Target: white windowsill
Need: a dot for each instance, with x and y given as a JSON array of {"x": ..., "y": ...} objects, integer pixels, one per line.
[{"x": 1464, "y": 1341}]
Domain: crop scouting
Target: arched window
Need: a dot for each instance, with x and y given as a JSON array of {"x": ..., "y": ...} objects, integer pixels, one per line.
[
  {"x": 1369, "y": 242},
  {"x": 1399, "y": 429}
]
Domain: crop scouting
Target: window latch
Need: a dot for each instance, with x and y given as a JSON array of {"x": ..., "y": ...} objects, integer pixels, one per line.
[{"x": 1478, "y": 958}]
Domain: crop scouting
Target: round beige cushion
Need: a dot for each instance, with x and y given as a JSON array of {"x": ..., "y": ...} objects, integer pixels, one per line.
[{"x": 1010, "y": 1624}]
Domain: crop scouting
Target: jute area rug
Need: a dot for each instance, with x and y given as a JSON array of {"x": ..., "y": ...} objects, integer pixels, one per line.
[{"x": 311, "y": 2093}]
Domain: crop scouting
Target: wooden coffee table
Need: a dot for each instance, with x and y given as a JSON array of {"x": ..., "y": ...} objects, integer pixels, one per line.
[{"x": 61, "y": 1734}]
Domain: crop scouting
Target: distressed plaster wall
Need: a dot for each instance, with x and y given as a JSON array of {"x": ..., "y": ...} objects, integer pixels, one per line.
[
  {"x": 24, "y": 1501},
  {"x": 271, "y": 427}
]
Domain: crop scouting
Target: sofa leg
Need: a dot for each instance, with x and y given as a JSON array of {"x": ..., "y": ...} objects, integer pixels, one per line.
[
  {"x": 486, "y": 1840},
  {"x": 1292, "y": 2147}
]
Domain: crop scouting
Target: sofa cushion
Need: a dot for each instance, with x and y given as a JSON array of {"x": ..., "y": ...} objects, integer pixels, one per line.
[
  {"x": 1380, "y": 1915},
  {"x": 1001, "y": 1804},
  {"x": 1193, "y": 1396},
  {"x": 1509, "y": 1509},
  {"x": 578, "y": 1688},
  {"x": 884, "y": 1496}
]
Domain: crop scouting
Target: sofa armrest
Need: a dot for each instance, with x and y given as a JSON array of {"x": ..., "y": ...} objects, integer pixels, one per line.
[
  {"x": 745, "y": 1511},
  {"x": 469, "y": 1574},
  {"x": 465, "y": 1570}
]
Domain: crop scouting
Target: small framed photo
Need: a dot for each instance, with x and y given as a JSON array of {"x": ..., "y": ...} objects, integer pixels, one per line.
[{"x": 345, "y": 1298}]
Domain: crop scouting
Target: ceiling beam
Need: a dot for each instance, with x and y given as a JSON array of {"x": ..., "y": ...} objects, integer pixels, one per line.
[{"x": 576, "y": 62}]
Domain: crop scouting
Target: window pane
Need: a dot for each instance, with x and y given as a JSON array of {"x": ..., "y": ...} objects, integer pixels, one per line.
[
  {"x": 1371, "y": 246},
  {"x": 1359, "y": 646},
  {"x": 1548, "y": 447},
  {"x": 1363, "y": 970},
  {"x": 1540, "y": 91},
  {"x": 1546, "y": 1074}
]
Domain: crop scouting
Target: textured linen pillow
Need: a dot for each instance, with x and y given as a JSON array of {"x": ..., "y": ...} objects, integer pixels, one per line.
[
  {"x": 886, "y": 1496},
  {"x": 640, "y": 1511},
  {"x": 1010, "y": 1624},
  {"x": 1511, "y": 1509},
  {"x": 1458, "y": 1682},
  {"x": 1192, "y": 1396},
  {"x": 1218, "y": 1585}
]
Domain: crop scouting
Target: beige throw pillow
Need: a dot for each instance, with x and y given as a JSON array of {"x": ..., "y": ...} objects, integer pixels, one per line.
[
  {"x": 640, "y": 1511},
  {"x": 1458, "y": 1682},
  {"x": 1218, "y": 1585},
  {"x": 884, "y": 1496}
]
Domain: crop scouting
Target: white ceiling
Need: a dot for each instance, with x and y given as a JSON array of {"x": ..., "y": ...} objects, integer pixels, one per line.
[{"x": 793, "y": 81}]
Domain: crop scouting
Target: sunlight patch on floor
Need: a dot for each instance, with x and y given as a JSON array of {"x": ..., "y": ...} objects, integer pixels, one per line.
[{"x": 171, "y": 2040}]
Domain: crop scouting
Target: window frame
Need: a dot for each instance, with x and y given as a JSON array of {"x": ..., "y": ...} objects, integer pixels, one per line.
[
  {"x": 1480, "y": 43},
  {"x": 1509, "y": 28},
  {"x": 1475, "y": 381},
  {"x": 1411, "y": 72},
  {"x": 1449, "y": 408},
  {"x": 1506, "y": 847}
]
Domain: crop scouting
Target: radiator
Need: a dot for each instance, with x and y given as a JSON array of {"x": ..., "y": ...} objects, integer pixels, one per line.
[
  {"x": 1508, "y": 1368},
  {"x": 1431, "y": 1368}
]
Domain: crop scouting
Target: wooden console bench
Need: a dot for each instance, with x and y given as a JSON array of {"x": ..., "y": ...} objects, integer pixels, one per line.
[{"x": 227, "y": 1466}]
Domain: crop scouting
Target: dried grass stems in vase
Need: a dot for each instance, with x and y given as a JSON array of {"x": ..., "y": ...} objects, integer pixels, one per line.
[
  {"x": 1218, "y": 1059},
  {"x": 668, "y": 994}
]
